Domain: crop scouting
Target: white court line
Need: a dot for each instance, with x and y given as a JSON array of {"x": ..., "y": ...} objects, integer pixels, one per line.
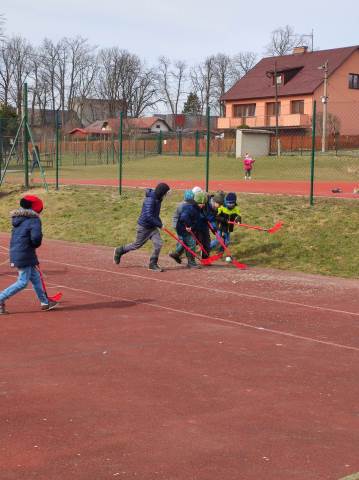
[
  {"x": 211, "y": 289},
  {"x": 211, "y": 317}
]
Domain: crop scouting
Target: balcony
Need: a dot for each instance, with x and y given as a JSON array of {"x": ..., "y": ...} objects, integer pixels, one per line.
[{"x": 262, "y": 121}]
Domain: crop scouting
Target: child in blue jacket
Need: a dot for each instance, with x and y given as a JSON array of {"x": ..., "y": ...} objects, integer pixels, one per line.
[
  {"x": 26, "y": 237},
  {"x": 147, "y": 227},
  {"x": 189, "y": 221}
]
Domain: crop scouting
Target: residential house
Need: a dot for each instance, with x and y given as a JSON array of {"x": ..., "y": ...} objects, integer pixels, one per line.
[
  {"x": 111, "y": 126},
  {"x": 291, "y": 83}
]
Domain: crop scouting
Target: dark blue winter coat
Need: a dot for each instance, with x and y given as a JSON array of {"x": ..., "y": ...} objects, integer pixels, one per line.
[
  {"x": 189, "y": 217},
  {"x": 150, "y": 214},
  {"x": 26, "y": 237}
]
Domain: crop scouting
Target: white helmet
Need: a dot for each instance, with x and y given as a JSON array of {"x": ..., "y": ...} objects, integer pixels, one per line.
[{"x": 197, "y": 189}]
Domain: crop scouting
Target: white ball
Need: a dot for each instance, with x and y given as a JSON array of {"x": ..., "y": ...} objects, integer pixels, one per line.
[{"x": 228, "y": 259}]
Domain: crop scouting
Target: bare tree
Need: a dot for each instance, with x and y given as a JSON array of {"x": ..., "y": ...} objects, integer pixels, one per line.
[
  {"x": 145, "y": 94},
  {"x": 242, "y": 63},
  {"x": 6, "y": 72},
  {"x": 20, "y": 52},
  {"x": 49, "y": 58},
  {"x": 171, "y": 79},
  {"x": 223, "y": 78},
  {"x": 204, "y": 83},
  {"x": 283, "y": 40},
  {"x": 2, "y": 22}
]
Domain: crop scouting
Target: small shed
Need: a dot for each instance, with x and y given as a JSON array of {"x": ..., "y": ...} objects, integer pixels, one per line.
[{"x": 252, "y": 141}]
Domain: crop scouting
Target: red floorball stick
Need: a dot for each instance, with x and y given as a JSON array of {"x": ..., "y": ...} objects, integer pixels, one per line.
[
  {"x": 210, "y": 259},
  {"x": 184, "y": 246},
  {"x": 273, "y": 229},
  {"x": 55, "y": 298},
  {"x": 241, "y": 266}
]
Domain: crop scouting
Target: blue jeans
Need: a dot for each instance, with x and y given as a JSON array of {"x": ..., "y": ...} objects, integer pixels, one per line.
[
  {"x": 26, "y": 275},
  {"x": 226, "y": 239}
]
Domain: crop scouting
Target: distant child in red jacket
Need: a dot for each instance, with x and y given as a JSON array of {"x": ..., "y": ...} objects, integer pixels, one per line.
[{"x": 248, "y": 162}]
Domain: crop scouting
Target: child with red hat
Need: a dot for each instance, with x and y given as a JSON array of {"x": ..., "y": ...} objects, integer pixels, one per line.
[{"x": 26, "y": 237}]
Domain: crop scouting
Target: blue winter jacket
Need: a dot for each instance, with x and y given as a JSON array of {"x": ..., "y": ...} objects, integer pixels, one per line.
[
  {"x": 26, "y": 237},
  {"x": 150, "y": 214},
  {"x": 189, "y": 217}
]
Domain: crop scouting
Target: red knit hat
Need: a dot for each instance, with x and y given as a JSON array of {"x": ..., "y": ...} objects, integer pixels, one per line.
[{"x": 30, "y": 201}]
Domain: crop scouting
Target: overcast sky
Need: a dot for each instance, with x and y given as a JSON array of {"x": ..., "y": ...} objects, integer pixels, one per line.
[{"x": 186, "y": 29}]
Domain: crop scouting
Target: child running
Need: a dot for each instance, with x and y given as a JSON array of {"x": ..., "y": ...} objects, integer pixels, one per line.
[
  {"x": 26, "y": 237},
  {"x": 147, "y": 227},
  {"x": 248, "y": 162},
  {"x": 229, "y": 212}
]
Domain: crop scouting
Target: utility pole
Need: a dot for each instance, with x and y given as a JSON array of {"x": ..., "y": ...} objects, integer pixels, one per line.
[{"x": 324, "y": 67}]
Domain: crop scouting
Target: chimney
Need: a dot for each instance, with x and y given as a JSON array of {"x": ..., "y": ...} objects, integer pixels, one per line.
[{"x": 301, "y": 49}]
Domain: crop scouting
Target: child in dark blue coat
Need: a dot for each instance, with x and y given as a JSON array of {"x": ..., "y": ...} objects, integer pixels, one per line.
[
  {"x": 147, "y": 227},
  {"x": 26, "y": 237},
  {"x": 189, "y": 221}
]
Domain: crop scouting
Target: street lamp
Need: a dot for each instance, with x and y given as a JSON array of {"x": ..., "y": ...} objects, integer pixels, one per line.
[{"x": 324, "y": 99}]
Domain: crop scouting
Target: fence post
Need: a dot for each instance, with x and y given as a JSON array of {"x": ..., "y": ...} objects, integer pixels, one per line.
[
  {"x": 120, "y": 142},
  {"x": 196, "y": 152},
  {"x": 314, "y": 121},
  {"x": 1, "y": 148},
  {"x": 179, "y": 143},
  {"x": 207, "y": 148},
  {"x": 159, "y": 147},
  {"x": 57, "y": 148},
  {"x": 25, "y": 137}
]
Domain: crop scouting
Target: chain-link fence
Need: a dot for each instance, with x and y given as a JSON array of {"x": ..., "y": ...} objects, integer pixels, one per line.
[{"x": 182, "y": 156}]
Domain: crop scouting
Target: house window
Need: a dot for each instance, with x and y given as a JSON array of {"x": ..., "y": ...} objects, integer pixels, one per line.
[
  {"x": 271, "y": 108},
  {"x": 245, "y": 110},
  {"x": 354, "y": 80},
  {"x": 297, "y": 106},
  {"x": 158, "y": 126}
]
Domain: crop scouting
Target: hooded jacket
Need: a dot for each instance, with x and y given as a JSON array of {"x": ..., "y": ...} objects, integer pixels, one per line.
[
  {"x": 151, "y": 207},
  {"x": 189, "y": 217},
  {"x": 26, "y": 237}
]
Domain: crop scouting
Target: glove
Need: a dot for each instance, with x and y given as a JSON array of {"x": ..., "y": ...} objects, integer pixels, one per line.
[{"x": 238, "y": 219}]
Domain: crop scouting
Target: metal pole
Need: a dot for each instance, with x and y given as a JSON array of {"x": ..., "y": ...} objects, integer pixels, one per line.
[
  {"x": 197, "y": 144},
  {"x": 120, "y": 145},
  {"x": 207, "y": 148},
  {"x": 57, "y": 149},
  {"x": 276, "y": 109},
  {"x": 1, "y": 147},
  {"x": 325, "y": 106},
  {"x": 314, "y": 121},
  {"x": 25, "y": 137}
]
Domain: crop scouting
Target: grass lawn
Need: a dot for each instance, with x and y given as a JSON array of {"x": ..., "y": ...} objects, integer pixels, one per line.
[
  {"x": 221, "y": 168},
  {"x": 322, "y": 239}
]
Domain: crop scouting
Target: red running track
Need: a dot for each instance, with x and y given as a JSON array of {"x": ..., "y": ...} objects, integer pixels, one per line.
[
  {"x": 322, "y": 189},
  {"x": 208, "y": 375}
]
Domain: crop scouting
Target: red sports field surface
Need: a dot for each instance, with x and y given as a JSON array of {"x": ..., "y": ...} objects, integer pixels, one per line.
[
  {"x": 215, "y": 374},
  {"x": 322, "y": 189}
]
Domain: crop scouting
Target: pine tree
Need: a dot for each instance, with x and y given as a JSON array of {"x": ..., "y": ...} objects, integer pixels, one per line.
[{"x": 192, "y": 105}]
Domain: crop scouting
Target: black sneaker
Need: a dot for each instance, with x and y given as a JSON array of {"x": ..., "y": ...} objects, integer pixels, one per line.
[
  {"x": 155, "y": 267},
  {"x": 176, "y": 257},
  {"x": 49, "y": 306},
  {"x": 193, "y": 264},
  {"x": 3, "y": 309},
  {"x": 117, "y": 254}
]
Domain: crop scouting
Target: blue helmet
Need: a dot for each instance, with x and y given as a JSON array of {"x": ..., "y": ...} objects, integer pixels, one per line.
[{"x": 188, "y": 195}]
